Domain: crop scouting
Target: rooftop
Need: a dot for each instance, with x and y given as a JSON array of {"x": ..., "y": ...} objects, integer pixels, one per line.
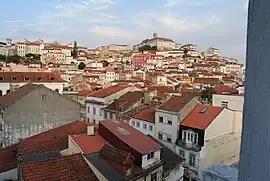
[
  {"x": 147, "y": 115},
  {"x": 103, "y": 93},
  {"x": 8, "y": 158},
  {"x": 7, "y": 77},
  {"x": 89, "y": 143},
  {"x": 176, "y": 103},
  {"x": 125, "y": 101},
  {"x": 130, "y": 136},
  {"x": 68, "y": 168},
  {"x": 201, "y": 116}
]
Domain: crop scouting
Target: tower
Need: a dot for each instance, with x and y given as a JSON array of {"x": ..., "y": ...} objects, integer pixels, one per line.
[{"x": 155, "y": 35}]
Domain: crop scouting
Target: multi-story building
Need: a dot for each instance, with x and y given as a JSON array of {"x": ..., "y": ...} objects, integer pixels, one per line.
[
  {"x": 26, "y": 47},
  {"x": 159, "y": 42},
  {"x": 140, "y": 60},
  {"x": 209, "y": 135},
  {"x": 231, "y": 67},
  {"x": 33, "y": 109},
  {"x": 11, "y": 81},
  {"x": 213, "y": 51},
  {"x": 121, "y": 48},
  {"x": 3, "y": 49},
  {"x": 100, "y": 99},
  {"x": 233, "y": 102}
]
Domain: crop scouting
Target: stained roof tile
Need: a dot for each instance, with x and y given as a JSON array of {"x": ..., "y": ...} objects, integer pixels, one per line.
[
  {"x": 147, "y": 115},
  {"x": 176, "y": 103}
]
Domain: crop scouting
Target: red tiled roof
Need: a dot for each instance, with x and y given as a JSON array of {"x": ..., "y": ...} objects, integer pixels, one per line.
[
  {"x": 52, "y": 140},
  {"x": 85, "y": 92},
  {"x": 225, "y": 89},
  {"x": 8, "y": 158},
  {"x": 125, "y": 101},
  {"x": 201, "y": 120},
  {"x": 130, "y": 136},
  {"x": 109, "y": 91},
  {"x": 89, "y": 143},
  {"x": 68, "y": 168},
  {"x": 211, "y": 81},
  {"x": 7, "y": 77},
  {"x": 147, "y": 115},
  {"x": 21, "y": 92},
  {"x": 176, "y": 103}
]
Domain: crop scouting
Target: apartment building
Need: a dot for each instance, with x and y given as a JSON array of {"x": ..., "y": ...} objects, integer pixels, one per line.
[
  {"x": 3, "y": 49},
  {"x": 26, "y": 47},
  {"x": 233, "y": 101}
]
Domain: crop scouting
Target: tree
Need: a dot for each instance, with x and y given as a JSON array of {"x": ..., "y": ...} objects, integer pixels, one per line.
[
  {"x": 2, "y": 57},
  {"x": 147, "y": 47},
  {"x": 185, "y": 53},
  {"x": 74, "y": 53},
  {"x": 81, "y": 66},
  {"x": 14, "y": 59},
  {"x": 207, "y": 94}
]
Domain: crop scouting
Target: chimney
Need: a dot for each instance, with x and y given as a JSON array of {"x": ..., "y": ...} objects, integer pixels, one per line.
[{"x": 90, "y": 130}]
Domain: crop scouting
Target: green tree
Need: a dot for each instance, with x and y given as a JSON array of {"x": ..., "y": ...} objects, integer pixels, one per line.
[
  {"x": 147, "y": 47},
  {"x": 14, "y": 59},
  {"x": 81, "y": 66},
  {"x": 185, "y": 53},
  {"x": 74, "y": 53},
  {"x": 207, "y": 93},
  {"x": 2, "y": 57}
]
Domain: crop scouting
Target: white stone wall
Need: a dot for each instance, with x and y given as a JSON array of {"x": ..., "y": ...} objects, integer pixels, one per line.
[
  {"x": 146, "y": 162},
  {"x": 147, "y": 131},
  {"x": 235, "y": 102}
]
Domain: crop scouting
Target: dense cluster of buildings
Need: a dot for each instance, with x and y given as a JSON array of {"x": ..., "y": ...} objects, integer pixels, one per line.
[{"x": 166, "y": 113}]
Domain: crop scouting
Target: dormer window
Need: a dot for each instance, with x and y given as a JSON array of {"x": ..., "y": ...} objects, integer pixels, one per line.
[
  {"x": 26, "y": 78},
  {"x": 150, "y": 156},
  {"x": 14, "y": 78}
]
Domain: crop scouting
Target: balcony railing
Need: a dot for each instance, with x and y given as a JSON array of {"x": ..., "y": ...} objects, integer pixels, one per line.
[{"x": 189, "y": 146}]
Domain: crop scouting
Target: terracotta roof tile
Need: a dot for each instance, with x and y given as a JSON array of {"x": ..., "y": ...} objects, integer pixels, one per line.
[
  {"x": 8, "y": 158},
  {"x": 176, "y": 103},
  {"x": 85, "y": 92},
  {"x": 54, "y": 139},
  {"x": 128, "y": 135},
  {"x": 225, "y": 89},
  {"x": 125, "y": 101},
  {"x": 201, "y": 116},
  {"x": 7, "y": 77},
  {"x": 68, "y": 168},
  {"x": 89, "y": 143},
  {"x": 147, "y": 115},
  {"x": 211, "y": 81},
  {"x": 109, "y": 91}
]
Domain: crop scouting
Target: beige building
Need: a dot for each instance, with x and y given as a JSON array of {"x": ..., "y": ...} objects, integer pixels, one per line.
[{"x": 26, "y": 47}]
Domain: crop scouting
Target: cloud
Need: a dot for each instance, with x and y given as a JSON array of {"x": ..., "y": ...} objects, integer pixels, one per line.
[
  {"x": 115, "y": 32},
  {"x": 190, "y": 3}
]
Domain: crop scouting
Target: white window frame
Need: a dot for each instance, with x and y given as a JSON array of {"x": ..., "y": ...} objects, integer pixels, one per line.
[{"x": 190, "y": 136}]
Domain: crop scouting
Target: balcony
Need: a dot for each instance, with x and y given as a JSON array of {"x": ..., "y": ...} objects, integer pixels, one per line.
[{"x": 189, "y": 145}]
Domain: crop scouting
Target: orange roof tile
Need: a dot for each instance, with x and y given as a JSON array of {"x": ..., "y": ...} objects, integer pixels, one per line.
[
  {"x": 89, "y": 143},
  {"x": 176, "y": 103},
  {"x": 201, "y": 119},
  {"x": 147, "y": 115},
  {"x": 109, "y": 91},
  {"x": 8, "y": 158},
  {"x": 67, "y": 168}
]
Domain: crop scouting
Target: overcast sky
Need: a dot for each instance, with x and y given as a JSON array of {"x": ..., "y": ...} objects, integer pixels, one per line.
[{"x": 217, "y": 23}]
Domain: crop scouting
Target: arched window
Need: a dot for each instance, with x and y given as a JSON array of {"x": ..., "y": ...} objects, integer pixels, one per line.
[
  {"x": 57, "y": 90},
  {"x": 8, "y": 91}
]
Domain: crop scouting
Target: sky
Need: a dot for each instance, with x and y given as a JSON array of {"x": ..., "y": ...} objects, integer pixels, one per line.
[{"x": 206, "y": 23}]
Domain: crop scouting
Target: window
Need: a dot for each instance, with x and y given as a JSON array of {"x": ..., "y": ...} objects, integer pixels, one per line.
[
  {"x": 100, "y": 113},
  {"x": 154, "y": 177},
  {"x": 1, "y": 78},
  {"x": 105, "y": 115},
  {"x": 26, "y": 78},
  {"x": 94, "y": 111},
  {"x": 182, "y": 153},
  {"x": 224, "y": 104},
  {"x": 8, "y": 91},
  {"x": 88, "y": 120},
  {"x": 190, "y": 136},
  {"x": 88, "y": 109},
  {"x": 145, "y": 126},
  {"x": 1, "y": 127},
  {"x": 169, "y": 122},
  {"x": 39, "y": 78},
  {"x": 150, "y": 128},
  {"x": 169, "y": 138},
  {"x": 14, "y": 78},
  {"x": 57, "y": 90},
  {"x": 138, "y": 124},
  {"x": 133, "y": 123},
  {"x": 184, "y": 135},
  {"x": 52, "y": 78},
  {"x": 1, "y": 93},
  {"x": 192, "y": 158},
  {"x": 160, "y": 119},
  {"x": 43, "y": 96},
  {"x": 160, "y": 136},
  {"x": 150, "y": 155}
]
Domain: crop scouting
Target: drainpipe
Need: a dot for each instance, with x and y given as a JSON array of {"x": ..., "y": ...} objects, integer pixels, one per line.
[{"x": 254, "y": 158}]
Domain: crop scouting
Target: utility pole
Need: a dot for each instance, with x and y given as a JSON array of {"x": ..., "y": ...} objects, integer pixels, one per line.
[{"x": 255, "y": 148}]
